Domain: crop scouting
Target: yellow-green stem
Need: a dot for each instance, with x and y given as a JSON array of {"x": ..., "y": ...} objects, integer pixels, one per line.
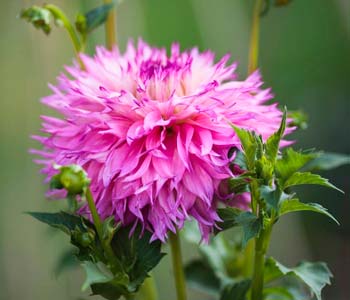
[
  {"x": 248, "y": 259},
  {"x": 60, "y": 15},
  {"x": 254, "y": 37},
  {"x": 98, "y": 225},
  {"x": 178, "y": 270},
  {"x": 261, "y": 245},
  {"x": 148, "y": 290},
  {"x": 110, "y": 27}
]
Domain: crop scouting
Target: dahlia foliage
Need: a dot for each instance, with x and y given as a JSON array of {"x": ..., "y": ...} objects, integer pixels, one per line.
[{"x": 153, "y": 132}]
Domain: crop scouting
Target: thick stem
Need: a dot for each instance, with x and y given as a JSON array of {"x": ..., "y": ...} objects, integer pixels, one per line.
[
  {"x": 110, "y": 27},
  {"x": 98, "y": 225},
  {"x": 261, "y": 245},
  {"x": 177, "y": 266},
  {"x": 254, "y": 37},
  {"x": 148, "y": 290},
  {"x": 247, "y": 268}
]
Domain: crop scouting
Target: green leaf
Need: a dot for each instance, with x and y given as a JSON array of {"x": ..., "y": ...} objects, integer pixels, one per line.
[
  {"x": 228, "y": 215},
  {"x": 220, "y": 254},
  {"x": 249, "y": 144},
  {"x": 62, "y": 220},
  {"x": 240, "y": 160},
  {"x": 97, "y": 16},
  {"x": 264, "y": 169},
  {"x": 232, "y": 217},
  {"x": 294, "y": 205},
  {"x": 66, "y": 261},
  {"x": 239, "y": 184},
  {"x": 251, "y": 225},
  {"x": 137, "y": 255},
  {"x": 236, "y": 291},
  {"x": 272, "y": 196},
  {"x": 200, "y": 276},
  {"x": 299, "y": 119},
  {"x": 109, "y": 290},
  {"x": 39, "y": 17},
  {"x": 301, "y": 178},
  {"x": 327, "y": 161},
  {"x": 277, "y": 293},
  {"x": 315, "y": 275},
  {"x": 272, "y": 143},
  {"x": 96, "y": 273},
  {"x": 109, "y": 229},
  {"x": 291, "y": 162}
]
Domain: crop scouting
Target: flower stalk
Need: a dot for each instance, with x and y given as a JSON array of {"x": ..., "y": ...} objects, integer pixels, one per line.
[
  {"x": 177, "y": 266},
  {"x": 99, "y": 228},
  {"x": 148, "y": 290},
  {"x": 60, "y": 15},
  {"x": 254, "y": 37},
  {"x": 261, "y": 246},
  {"x": 110, "y": 27}
]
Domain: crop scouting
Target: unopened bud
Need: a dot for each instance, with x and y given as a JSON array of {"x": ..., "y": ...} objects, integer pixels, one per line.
[{"x": 71, "y": 178}]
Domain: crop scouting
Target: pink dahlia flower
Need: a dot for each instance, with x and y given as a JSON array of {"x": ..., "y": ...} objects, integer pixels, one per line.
[{"x": 152, "y": 131}]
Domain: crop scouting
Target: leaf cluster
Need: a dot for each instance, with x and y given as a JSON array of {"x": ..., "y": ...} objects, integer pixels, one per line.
[
  {"x": 136, "y": 256},
  {"x": 270, "y": 177}
]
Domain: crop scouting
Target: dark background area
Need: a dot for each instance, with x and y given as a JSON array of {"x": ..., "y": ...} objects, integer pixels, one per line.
[{"x": 304, "y": 57}]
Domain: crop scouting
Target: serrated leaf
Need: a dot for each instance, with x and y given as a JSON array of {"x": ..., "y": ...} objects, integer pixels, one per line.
[
  {"x": 200, "y": 276},
  {"x": 294, "y": 205},
  {"x": 239, "y": 184},
  {"x": 137, "y": 255},
  {"x": 62, "y": 220},
  {"x": 236, "y": 291},
  {"x": 277, "y": 293},
  {"x": 315, "y": 275},
  {"x": 95, "y": 273},
  {"x": 327, "y": 161},
  {"x": 232, "y": 217},
  {"x": 291, "y": 162},
  {"x": 251, "y": 225},
  {"x": 249, "y": 145},
  {"x": 272, "y": 196},
  {"x": 272, "y": 143},
  {"x": 302, "y": 178},
  {"x": 228, "y": 215}
]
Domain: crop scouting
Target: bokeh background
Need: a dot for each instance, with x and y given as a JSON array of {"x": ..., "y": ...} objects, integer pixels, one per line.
[{"x": 305, "y": 57}]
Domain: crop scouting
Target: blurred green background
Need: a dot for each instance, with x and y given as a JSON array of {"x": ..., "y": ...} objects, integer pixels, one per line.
[{"x": 304, "y": 57}]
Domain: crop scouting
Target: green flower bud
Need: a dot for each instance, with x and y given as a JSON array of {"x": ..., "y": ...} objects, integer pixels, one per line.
[
  {"x": 72, "y": 178},
  {"x": 264, "y": 169},
  {"x": 85, "y": 239}
]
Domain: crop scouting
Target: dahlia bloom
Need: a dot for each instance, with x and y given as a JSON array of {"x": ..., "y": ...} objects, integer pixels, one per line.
[{"x": 152, "y": 131}]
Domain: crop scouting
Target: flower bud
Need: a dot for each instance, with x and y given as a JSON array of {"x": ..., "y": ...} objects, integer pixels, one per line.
[
  {"x": 72, "y": 178},
  {"x": 85, "y": 238}
]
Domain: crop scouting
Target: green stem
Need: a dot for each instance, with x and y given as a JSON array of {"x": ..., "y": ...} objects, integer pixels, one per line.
[
  {"x": 148, "y": 290},
  {"x": 254, "y": 37},
  {"x": 261, "y": 245},
  {"x": 99, "y": 228},
  {"x": 177, "y": 266},
  {"x": 60, "y": 15},
  {"x": 247, "y": 268},
  {"x": 110, "y": 27}
]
